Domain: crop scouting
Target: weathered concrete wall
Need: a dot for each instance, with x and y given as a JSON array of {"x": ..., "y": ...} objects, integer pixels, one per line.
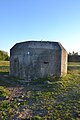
[
  {"x": 35, "y": 59},
  {"x": 64, "y": 60}
]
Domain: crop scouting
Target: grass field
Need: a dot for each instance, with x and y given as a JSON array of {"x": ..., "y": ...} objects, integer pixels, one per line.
[
  {"x": 74, "y": 66},
  {"x": 43, "y": 99},
  {"x": 4, "y": 66}
]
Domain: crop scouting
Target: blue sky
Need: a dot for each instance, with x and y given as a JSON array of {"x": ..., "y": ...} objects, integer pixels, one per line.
[{"x": 54, "y": 20}]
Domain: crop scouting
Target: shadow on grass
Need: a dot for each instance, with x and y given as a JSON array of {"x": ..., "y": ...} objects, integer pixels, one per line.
[
  {"x": 4, "y": 74},
  {"x": 35, "y": 85},
  {"x": 7, "y": 81}
]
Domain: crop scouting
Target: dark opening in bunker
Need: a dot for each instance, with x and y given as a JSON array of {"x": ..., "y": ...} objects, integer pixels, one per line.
[{"x": 46, "y": 62}]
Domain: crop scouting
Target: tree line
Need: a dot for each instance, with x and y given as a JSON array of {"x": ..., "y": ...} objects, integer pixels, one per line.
[
  {"x": 74, "y": 57},
  {"x": 4, "y": 56},
  {"x": 73, "y": 53}
]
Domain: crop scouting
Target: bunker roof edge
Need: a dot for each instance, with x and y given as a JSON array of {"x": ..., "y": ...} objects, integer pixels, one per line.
[{"x": 58, "y": 43}]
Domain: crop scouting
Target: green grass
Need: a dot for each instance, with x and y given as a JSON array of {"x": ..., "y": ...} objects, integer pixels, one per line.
[
  {"x": 74, "y": 66},
  {"x": 50, "y": 98},
  {"x": 74, "y": 63},
  {"x": 61, "y": 97},
  {"x": 4, "y": 66},
  {"x": 3, "y": 92},
  {"x": 4, "y": 63}
]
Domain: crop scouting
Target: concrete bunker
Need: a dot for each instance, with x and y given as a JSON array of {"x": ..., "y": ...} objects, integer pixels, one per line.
[{"x": 37, "y": 59}]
